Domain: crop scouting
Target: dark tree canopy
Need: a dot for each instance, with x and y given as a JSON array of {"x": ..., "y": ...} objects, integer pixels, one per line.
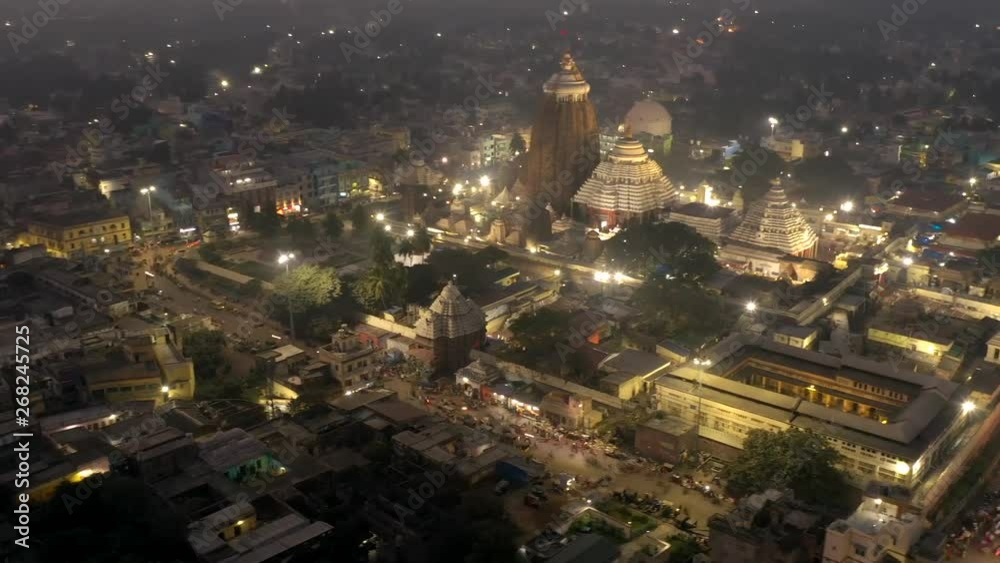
[
  {"x": 671, "y": 248},
  {"x": 675, "y": 310},
  {"x": 205, "y": 348},
  {"x": 799, "y": 460}
]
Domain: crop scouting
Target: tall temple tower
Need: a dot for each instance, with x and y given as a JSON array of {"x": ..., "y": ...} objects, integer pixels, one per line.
[
  {"x": 773, "y": 222},
  {"x": 565, "y": 147},
  {"x": 453, "y": 325},
  {"x": 627, "y": 186}
]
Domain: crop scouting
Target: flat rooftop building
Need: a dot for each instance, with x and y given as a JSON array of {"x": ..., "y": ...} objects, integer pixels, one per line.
[{"x": 888, "y": 425}]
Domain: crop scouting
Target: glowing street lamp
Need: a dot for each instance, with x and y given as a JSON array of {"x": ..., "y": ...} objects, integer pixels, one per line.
[
  {"x": 224, "y": 84},
  {"x": 484, "y": 181},
  {"x": 286, "y": 259},
  {"x": 751, "y": 306},
  {"x": 410, "y": 233},
  {"x": 380, "y": 217},
  {"x": 148, "y": 192},
  {"x": 257, "y": 70},
  {"x": 973, "y": 182},
  {"x": 844, "y": 129},
  {"x": 847, "y": 206},
  {"x": 457, "y": 189},
  {"x": 773, "y": 121},
  {"x": 968, "y": 406}
]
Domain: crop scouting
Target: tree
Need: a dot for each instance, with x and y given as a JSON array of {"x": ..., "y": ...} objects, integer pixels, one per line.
[
  {"x": 671, "y": 249},
  {"x": 382, "y": 287},
  {"x": 537, "y": 333},
  {"x": 669, "y": 309},
  {"x": 210, "y": 253},
  {"x": 205, "y": 348},
  {"x": 360, "y": 220},
  {"x": 307, "y": 286},
  {"x": 333, "y": 226},
  {"x": 517, "y": 145},
  {"x": 302, "y": 232},
  {"x": 829, "y": 181},
  {"x": 421, "y": 240},
  {"x": 381, "y": 249},
  {"x": 683, "y": 548},
  {"x": 266, "y": 223},
  {"x": 800, "y": 460},
  {"x": 754, "y": 168}
]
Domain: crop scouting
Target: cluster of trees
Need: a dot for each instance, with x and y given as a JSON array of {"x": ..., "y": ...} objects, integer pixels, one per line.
[
  {"x": 673, "y": 249},
  {"x": 677, "y": 310},
  {"x": 799, "y": 460}
]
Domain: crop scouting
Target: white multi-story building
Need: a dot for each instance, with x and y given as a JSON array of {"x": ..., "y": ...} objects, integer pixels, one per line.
[
  {"x": 883, "y": 528},
  {"x": 888, "y": 425}
]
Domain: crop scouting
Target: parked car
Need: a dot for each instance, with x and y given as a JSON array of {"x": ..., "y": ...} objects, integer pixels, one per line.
[{"x": 502, "y": 487}]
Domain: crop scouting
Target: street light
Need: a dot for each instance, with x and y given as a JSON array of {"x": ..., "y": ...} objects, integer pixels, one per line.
[
  {"x": 773, "y": 121},
  {"x": 751, "y": 306},
  {"x": 286, "y": 259},
  {"x": 844, "y": 129},
  {"x": 484, "y": 181},
  {"x": 380, "y": 217},
  {"x": 968, "y": 406},
  {"x": 907, "y": 261},
  {"x": 148, "y": 192},
  {"x": 847, "y": 206}
]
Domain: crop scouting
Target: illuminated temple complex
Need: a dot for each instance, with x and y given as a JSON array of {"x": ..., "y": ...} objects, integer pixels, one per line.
[
  {"x": 565, "y": 148},
  {"x": 627, "y": 186},
  {"x": 772, "y": 229}
]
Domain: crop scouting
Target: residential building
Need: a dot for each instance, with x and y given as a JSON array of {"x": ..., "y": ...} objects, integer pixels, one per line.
[
  {"x": 768, "y": 527},
  {"x": 796, "y": 336},
  {"x": 570, "y": 411},
  {"x": 885, "y": 527},
  {"x": 630, "y": 372},
  {"x": 75, "y": 234},
  {"x": 351, "y": 362}
]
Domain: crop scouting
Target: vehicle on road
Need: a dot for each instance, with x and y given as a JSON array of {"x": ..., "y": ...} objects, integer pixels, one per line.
[
  {"x": 218, "y": 305},
  {"x": 501, "y": 487}
]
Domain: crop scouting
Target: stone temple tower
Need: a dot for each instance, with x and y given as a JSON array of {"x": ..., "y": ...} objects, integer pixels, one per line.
[{"x": 565, "y": 147}]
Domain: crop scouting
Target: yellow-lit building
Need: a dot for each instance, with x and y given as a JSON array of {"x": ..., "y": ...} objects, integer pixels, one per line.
[
  {"x": 911, "y": 341},
  {"x": 84, "y": 233},
  {"x": 889, "y": 425}
]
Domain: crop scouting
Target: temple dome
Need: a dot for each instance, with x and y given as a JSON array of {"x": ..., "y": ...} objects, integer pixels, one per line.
[
  {"x": 450, "y": 316},
  {"x": 774, "y": 222},
  {"x": 628, "y": 184},
  {"x": 568, "y": 82},
  {"x": 649, "y": 116}
]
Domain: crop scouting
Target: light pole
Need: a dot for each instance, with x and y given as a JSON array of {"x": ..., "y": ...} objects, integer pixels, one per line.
[
  {"x": 286, "y": 259},
  {"x": 772, "y": 121},
  {"x": 148, "y": 192}
]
